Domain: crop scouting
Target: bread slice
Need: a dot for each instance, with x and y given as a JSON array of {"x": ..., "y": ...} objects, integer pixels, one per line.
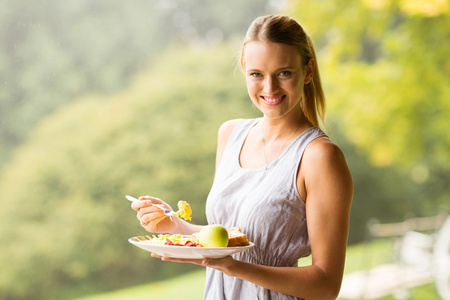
[{"x": 236, "y": 237}]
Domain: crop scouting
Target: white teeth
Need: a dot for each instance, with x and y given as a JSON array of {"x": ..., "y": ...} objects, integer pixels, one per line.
[{"x": 273, "y": 99}]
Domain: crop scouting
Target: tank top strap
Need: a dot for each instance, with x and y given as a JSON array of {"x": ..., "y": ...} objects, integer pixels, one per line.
[
  {"x": 240, "y": 133},
  {"x": 235, "y": 143},
  {"x": 287, "y": 164}
]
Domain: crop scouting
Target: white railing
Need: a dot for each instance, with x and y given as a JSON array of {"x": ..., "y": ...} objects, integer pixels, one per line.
[{"x": 421, "y": 255}]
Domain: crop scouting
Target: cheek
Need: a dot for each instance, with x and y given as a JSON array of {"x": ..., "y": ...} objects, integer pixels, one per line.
[
  {"x": 252, "y": 88},
  {"x": 296, "y": 87}
]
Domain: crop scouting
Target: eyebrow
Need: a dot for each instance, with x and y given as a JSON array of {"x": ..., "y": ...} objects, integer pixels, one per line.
[{"x": 277, "y": 70}]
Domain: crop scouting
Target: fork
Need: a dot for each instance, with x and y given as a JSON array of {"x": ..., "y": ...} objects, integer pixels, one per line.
[{"x": 167, "y": 212}]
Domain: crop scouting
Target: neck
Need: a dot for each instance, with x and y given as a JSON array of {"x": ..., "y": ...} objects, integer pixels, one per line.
[
  {"x": 275, "y": 129},
  {"x": 281, "y": 133}
]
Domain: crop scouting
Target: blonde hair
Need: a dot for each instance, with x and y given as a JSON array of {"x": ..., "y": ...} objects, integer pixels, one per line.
[{"x": 285, "y": 30}]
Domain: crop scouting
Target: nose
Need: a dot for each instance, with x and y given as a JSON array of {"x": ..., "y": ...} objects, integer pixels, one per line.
[{"x": 271, "y": 85}]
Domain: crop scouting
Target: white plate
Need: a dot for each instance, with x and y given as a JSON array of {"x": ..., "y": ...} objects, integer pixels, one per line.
[{"x": 186, "y": 252}]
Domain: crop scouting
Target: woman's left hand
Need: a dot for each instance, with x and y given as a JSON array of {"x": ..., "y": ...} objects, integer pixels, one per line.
[{"x": 224, "y": 264}]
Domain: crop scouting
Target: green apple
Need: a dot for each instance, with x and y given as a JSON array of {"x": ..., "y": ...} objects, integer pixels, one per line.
[{"x": 213, "y": 236}]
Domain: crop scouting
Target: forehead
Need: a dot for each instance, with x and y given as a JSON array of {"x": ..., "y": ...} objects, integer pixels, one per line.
[{"x": 268, "y": 55}]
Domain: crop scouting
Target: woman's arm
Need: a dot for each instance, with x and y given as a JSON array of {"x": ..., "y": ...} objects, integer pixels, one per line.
[{"x": 325, "y": 182}]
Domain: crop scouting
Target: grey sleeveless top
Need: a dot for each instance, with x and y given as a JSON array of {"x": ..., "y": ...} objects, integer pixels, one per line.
[{"x": 268, "y": 208}]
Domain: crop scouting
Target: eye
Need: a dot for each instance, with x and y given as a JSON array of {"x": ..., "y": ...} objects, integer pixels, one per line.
[
  {"x": 285, "y": 73},
  {"x": 255, "y": 74}
]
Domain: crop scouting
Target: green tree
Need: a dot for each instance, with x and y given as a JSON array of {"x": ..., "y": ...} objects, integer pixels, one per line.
[
  {"x": 386, "y": 68},
  {"x": 54, "y": 52},
  {"x": 386, "y": 73},
  {"x": 65, "y": 220}
]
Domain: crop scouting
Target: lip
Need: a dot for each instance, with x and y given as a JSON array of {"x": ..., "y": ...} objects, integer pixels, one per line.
[{"x": 272, "y": 100}]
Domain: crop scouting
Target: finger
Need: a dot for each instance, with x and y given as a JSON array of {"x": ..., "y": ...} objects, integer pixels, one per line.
[
  {"x": 151, "y": 225},
  {"x": 136, "y": 205},
  {"x": 182, "y": 260},
  {"x": 150, "y": 217},
  {"x": 147, "y": 210},
  {"x": 153, "y": 199},
  {"x": 178, "y": 260}
]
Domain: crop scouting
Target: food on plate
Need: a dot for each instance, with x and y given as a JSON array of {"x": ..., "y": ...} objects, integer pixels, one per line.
[
  {"x": 173, "y": 240},
  {"x": 213, "y": 236},
  {"x": 184, "y": 210},
  {"x": 236, "y": 237}
]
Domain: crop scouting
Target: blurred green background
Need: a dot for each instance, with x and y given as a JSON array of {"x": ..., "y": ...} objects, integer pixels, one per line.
[{"x": 99, "y": 99}]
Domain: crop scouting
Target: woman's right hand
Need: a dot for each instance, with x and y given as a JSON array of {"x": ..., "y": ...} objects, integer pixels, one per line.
[{"x": 151, "y": 217}]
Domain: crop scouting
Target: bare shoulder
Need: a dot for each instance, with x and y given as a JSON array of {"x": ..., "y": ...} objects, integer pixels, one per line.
[
  {"x": 324, "y": 166},
  {"x": 226, "y": 129},
  {"x": 323, "y": 150},
  {"x": 228, "y": 126},
  {"x": 224, "y": 134}
]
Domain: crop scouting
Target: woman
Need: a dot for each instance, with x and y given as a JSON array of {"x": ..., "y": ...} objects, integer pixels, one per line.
[{"x": 278, "y": 177}]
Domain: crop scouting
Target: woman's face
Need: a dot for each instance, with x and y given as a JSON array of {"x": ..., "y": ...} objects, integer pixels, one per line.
[{"x": 275, "y": 77}]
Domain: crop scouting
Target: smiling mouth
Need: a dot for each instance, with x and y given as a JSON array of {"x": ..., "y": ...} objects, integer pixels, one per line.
[{"x": 273, "y": 100}]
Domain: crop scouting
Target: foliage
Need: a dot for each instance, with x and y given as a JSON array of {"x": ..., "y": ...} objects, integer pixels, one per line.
[
  {"x": 65, "y": 187},
  {"x": 386, "y": 74},
  {"x": 378, "y": 192},
  {"x": 53, "y": 52}
]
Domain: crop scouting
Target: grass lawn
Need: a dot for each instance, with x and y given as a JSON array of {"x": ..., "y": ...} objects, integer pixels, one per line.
[
  {"x": 359, "y": 257},
  {"x": 187, "y": 286}
]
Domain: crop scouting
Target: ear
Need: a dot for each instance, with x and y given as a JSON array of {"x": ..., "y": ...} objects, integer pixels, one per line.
[{"x": 310, "y": 67}]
